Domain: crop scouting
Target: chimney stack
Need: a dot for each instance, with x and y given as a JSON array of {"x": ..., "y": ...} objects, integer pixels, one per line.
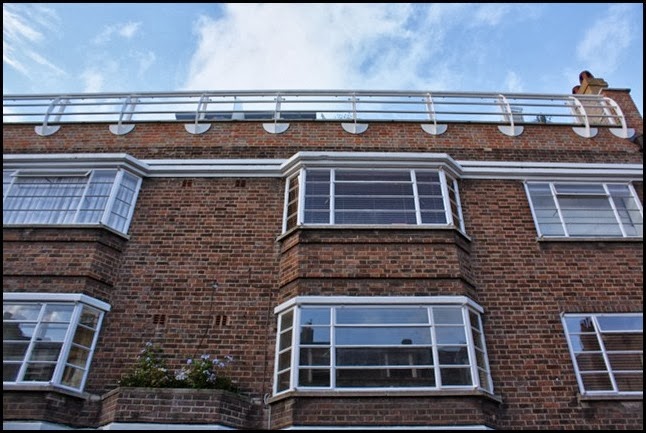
[{"x": 589, "y": 85}]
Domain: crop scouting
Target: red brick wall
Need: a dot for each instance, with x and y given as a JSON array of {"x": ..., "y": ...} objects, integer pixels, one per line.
[{"x": 188, "y": 233}]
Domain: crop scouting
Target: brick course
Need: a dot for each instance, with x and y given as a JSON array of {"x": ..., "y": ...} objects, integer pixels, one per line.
[{"x": 188, "y": 233}]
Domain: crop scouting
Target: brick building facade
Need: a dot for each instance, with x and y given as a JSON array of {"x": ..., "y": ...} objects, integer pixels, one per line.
[{"x": 386, "y": 278}]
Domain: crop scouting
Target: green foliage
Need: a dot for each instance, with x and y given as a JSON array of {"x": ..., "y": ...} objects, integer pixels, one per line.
[{"x": 200, "y": 373}]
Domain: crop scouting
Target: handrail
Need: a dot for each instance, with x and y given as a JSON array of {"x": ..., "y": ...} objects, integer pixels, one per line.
[{"x": 346, "y": 106}]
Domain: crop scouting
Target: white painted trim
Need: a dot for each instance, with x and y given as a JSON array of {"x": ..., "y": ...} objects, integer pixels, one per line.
[
  {"x": 44, "y": 425},
  {"x": 56, "y": 297},
  {"x": 516, "y": 170},
  {"x": 399, "y": 428},
  {"x": 377, "y": 300}
]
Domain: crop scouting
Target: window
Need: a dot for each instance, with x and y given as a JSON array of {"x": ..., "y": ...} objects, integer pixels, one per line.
[
  {"x": 90, "y": 197},
  {"x": 49, "y": 338},
  {"x": 334, "y": 196},
  {"x": 585, "y": 210},
  {"x": 607, "y": 351},
  {"x": 381, "y": 343}
]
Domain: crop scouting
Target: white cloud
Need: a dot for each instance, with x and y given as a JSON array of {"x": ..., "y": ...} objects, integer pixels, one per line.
[
  {"x": 25, "y": 32},
  {"x": 336, "y": 46},
  {"x": 124, "y": 30},
  {"x": 513, "y": 82},
  {"x": 606, "y": 40},
  {"x": 93, "y": 81}
]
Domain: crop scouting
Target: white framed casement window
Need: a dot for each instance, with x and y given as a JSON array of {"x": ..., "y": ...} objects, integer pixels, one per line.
[
  {"x": 594, "y": 210},
  {"x": 607, "y": 351},
  {"x": 70, "y": 197},
  {"x": 49, "y": 339},
  {"x": 374, "y": 197},
  {"x": 380, "y": 343}
]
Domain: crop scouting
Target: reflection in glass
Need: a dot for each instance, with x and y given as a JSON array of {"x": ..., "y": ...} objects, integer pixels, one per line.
[
  {"x": 314, "y": 377},
  {"x": 381, "y": 315},
  {"x": 392, "y": 377},
  {"x": 382, "y": 336}
]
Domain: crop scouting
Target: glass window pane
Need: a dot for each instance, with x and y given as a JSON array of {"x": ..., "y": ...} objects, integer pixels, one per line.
[
  {"x": 58, "y": 313},
  {"x": 383, "y": 336},
  {"x": 314, "y": 356},
  {"x": 314, "y": 377},
  {"x": 39, "y": 372},
  {"x": 10, "y": 372},
  {"x": 385, "y": 378},
  {"x": 285, "y": 360},
  {"x": 315, "y": 335},
  {"x": 626, "y": 361},
  {"x": 450, "y": 335},
  {"x": 384, "y": 356},
  {"x": 83, "y": 336},
  {"x": 579, "y": 324},
  {"x": 453, "y": 355},
  {"x": 621, "y": 323},
  {"x": 23, "y": 312},
  {"x": 447, "y": 315},
  {"x": 72, "y": 377},
  {"x": 455, "y": 376},
  {"x": 315, "y": 316},
  {"x": 591, "y": 362},
  {"x": 630, "y": 382},
  {"x": 14, "y": 351},
  {"x": 90, "y": 317},
  {"x": 585, "y": 342},
  {"x": 78, "y": 356},
  {"x": 623, "y": 341},
  {"x": 286, "y": 320},
  {"x": 564, "y": 188},
  {"x": 434, "y": 217},
  {"x": 596, "y": 382},
  {"x": 359, "y": 315},
  {"x": 43, "y": 351},
  {"x": 285, "y": 340},
  {"x": 52, "y": 332},
  {"x": 283, "y": 381}
]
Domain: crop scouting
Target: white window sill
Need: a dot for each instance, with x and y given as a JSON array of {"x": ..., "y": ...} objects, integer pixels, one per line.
[
  {"x": 605, "y": 397},
  {"x": 384, "y": 393},
  {"x": 589, "y": 239},
  {"x": 46, "y": 387}
]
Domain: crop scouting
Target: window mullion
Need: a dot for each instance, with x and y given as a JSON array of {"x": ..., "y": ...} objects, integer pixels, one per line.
[
  {"x": 286, "y": 207},
  {"x": 418, "y": 208},
  {"x": 471, "y": 348},
  {"x": 67, "y": 343},
  {"x": 296, "y": 348},
  {"x": 558, "y": 209},
  {"x": 333, "y": 347},
  {"x": 614, "y": 210},
  {"x": 88, "y": 182},
  {"x": 604, "y": 353},
  {"x": 446, "y": 199},
  {"x": 332, "y": 192},
  {"x": 32, "y": 342},
  {"x": 300, "y": 212},
  {"x": 112, "y": 198},
  {"x": 436, "y": 355},
  {"x": 458, "y": 204}
]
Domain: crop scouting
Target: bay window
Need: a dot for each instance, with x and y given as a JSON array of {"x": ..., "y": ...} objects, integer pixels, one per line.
[
  {"x": 348, "y": 196},
  {"x": 70, "y": 197},
  {"x": 367, "y": 343},
  {"x": 49, "y": 339}
]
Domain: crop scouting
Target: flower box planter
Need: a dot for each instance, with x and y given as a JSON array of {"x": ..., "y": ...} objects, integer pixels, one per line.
[{"x": 177, "y": 406}]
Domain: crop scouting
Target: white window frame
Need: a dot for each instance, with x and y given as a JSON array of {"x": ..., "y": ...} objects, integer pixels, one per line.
[
  {"x": 295, "y": 305},
  {"x": 79, "y": 302},
  {"x": 108, "y": 211},
  {"x": 608, "y": 368},
  {"x": 444, "y": 179},
  {"x": 555, "y": 194}
]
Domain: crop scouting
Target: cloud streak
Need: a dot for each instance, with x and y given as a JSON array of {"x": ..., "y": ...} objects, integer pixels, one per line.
[
  {"x": 338, "y": 46},
  {"x": 23, "y": 31}
]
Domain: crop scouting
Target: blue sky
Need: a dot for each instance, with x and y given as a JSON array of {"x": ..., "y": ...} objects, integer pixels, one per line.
[{"x": 491, "y": 47}]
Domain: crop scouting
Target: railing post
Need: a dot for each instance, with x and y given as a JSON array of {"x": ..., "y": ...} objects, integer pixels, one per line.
[
  {"x": 126, "y": 114},
  {"x": 56, "y": 108}
]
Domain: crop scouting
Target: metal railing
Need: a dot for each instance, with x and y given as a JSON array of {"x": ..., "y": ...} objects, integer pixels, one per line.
[{"x": 435, "y": 109}]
